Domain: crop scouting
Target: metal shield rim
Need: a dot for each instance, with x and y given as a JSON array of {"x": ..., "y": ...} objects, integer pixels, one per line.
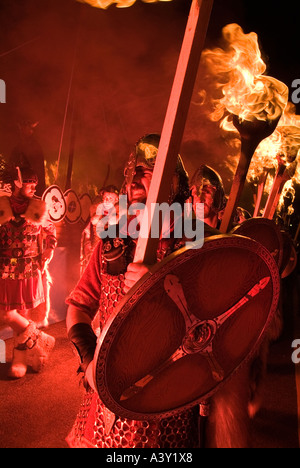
[
  {"x": 122, "y": 311},
  {"x": 239, "y": 230}
]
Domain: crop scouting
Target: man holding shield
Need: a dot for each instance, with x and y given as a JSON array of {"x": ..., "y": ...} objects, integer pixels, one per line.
[{"x": 109, "y": 275}]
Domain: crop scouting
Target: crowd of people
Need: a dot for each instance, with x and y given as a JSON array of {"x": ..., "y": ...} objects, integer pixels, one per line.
[{"x": 27, "y": 244}]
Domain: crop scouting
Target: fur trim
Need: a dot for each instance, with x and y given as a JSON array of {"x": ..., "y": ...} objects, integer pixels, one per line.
[
  {"x": 36, "y": 212},
  {"x": 6, "y": 213}
]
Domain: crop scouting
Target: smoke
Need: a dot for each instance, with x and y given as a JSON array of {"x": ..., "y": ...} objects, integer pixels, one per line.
[
  {"x": 117, "y": 67},
  {"x": 98, "y": 71}
]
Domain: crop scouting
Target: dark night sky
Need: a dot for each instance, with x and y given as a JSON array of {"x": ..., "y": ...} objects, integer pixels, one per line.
[{"x": 124, "y": 64}]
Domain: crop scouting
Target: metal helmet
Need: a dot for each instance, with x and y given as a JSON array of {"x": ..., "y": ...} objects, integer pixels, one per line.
[
  {"x": 205, "y": 175},
  {"x": 12, "y": 175},
  {"x": 144, "y": 155},
  {"x": 29, "y": 176}
]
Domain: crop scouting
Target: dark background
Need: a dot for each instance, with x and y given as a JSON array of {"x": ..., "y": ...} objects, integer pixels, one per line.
[{"x": 124, "y": 62}]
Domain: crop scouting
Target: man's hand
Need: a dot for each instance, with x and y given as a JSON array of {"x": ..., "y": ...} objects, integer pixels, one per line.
[
  {"x": 89, "y": 375},
  {"x": 135, "y": 272}
]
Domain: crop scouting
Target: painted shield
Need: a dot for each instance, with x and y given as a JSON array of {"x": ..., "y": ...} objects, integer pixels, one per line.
[
  {"x": 56, "y": 205},
  {"x": 266, "y": 232},
  {"x": 290, "y": 259},
  {"x": 73, "y": 214},
  {"x": 85, "y": 203},
  {"x": 186, "y": 327}
]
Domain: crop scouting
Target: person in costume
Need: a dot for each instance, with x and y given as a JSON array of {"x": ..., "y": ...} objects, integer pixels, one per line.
[
  {"x": 104, "y": 283},
  {"x": 109, "y": 275},
  {"x": 227, "y": 421},
  {"x": 27, "y": 243},
  {"x": 207, "y": 188},
  {"x": 105, "y": 204}
]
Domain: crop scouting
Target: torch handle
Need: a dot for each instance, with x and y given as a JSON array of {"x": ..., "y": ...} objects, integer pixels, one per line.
[
  {"x": 237, "y": 187},
  {"x": 280, "y": 180},
  {"x": 260, "y": 192}
]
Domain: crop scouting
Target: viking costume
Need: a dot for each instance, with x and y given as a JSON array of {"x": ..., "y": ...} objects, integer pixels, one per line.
[
  {"x": 89, "y": 237},
  {"x": 96, "y": 426},
  {"x": 206, "y": 177},
  {"x": 102, "y": 285},
  {"x": 25, "y": 233}
]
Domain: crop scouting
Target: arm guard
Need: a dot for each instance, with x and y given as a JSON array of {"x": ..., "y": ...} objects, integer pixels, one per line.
[{"x": 84, "y": 339}]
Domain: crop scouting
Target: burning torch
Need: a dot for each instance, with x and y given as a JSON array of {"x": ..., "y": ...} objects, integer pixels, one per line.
[
  {"x": 254, "y": 101},
  {"x": 288, "y": 160}
]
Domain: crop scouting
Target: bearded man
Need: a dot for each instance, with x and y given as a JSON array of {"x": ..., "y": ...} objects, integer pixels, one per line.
[
  {"x": 109, "y": 275},
  {"x": 207, "y": 188}
]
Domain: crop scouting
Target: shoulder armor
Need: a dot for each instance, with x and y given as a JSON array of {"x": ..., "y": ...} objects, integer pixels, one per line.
[{"x": 36, "y": 212}]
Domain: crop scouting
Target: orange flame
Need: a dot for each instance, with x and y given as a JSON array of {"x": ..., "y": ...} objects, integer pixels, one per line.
[
  {"x": 238, "y": 74},
  {"x": 288, "y": 190},
  {"x": 119, "y": 3},
  {"x": 285, "y": 141},
  {"x": 264, "y": 158}
]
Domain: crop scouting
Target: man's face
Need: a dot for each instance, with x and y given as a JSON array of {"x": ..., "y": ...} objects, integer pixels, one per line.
[
  {"x": 109, "y": 200},
  {"x": 205, "y": 194},
  {"x": 139, "y": 189},
  {"x": 28, "y": 190}
]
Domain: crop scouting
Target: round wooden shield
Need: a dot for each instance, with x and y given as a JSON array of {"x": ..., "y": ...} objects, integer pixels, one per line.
[
  {"x": 186, "y": 328},
  {"x": 266, "y": 232},
  {"x": 289, "y": 260},
  {"x": 56, "y": 205},
  {"x": 73, "y": 214},
  {"x": 86, "y": 203}
]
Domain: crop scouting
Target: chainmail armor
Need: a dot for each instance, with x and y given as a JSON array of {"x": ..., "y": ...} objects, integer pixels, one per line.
[{"x": 90, "y": 428}]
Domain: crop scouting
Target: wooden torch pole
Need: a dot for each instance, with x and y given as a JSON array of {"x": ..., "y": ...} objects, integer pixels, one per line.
[
  {"x": 260, "y": 192},
  {"x": 280, "y": 180}
]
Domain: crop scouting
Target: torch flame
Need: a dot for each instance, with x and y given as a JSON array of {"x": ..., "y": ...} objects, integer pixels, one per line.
[
  {"x": 288, "y": 192},
  {"x": 285, "y": 141},
  {"x": 119, "y": 3},
  {"x": 239, "y": 74}
]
